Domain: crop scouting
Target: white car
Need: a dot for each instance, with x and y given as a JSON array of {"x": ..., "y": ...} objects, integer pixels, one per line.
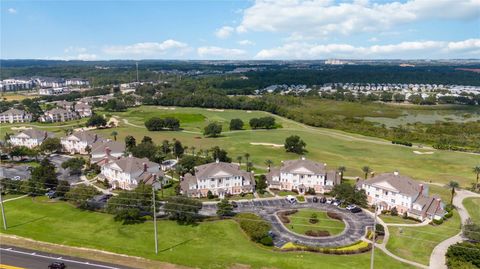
[
  {"x": 329, "y": 201},
  {"x": 336, "y": 203},
  {"x": 291, "y": 199},
  {"x": 350, "y": 207},
  {"x": 16, "y": 178}
]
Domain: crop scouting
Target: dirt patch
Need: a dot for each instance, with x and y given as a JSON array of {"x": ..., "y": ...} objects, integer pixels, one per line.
[
  {"x": 267, "y": 144},
  {"x": 317, "y": 233},
  {"x": 86, "y": 253},
  {"x": 423, "y": 153}
]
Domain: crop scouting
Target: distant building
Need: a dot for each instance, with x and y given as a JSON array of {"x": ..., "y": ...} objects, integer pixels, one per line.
[
  {"x": 58, "y": 115},
  {"x": 15, "y": 115},
  {"x": 127, "y": 172},
  {"x": 64, "y": 104},
  {"x": 16, "y": 84},
  {"x": 220, "y": 178},
  {"x": 30, "y": 138},
  {"x": 300, "y": 175},
  {"x": 53, "y": 91},
  {"x": 77, "y": 82},
  {"x": 80, "y": 142},
  {"x": 392, "y": 190},
  {"x": 83, "y": 110}
]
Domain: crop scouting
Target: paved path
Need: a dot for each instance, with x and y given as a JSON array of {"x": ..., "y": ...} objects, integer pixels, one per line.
[
  {"x": 85, "y": 181},
  {"x": 13, "y": 199},
  {"x": 424, "y": 223},
  {"x": 437, "y": 258}
]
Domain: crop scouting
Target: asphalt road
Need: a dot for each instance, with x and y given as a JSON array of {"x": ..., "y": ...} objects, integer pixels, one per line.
[{"x": 26, "y": 258}]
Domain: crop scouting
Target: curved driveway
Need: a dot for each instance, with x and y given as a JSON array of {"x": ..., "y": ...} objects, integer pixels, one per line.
[{"x": 355, "y": 227}]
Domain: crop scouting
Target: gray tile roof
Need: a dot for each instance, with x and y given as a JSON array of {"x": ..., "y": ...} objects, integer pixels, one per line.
[
  {"x": 13, "y": 111},
  {"x": 114, "y": 146},
  {"x": 210, "y": 170},
  {"x": 37, "y": 134},
  {"x": 314, "y": 167},
  {"x": 88, "y": 137},
  {"x": 133, "y": 164},
  {"x": 403, "y": 184}
]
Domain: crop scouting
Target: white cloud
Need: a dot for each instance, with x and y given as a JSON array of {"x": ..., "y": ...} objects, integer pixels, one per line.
[
  {"x": 373, "y": 39},
  {"x": 418, "y": 49},
  {"x": 81, "y": 57},
  {"x": 224, "y": 32},
  {"x": 306, "y": 18},
  {"x": 220, "y": 53},
  {"x": 86, "y": 57},
  {"x": 73, "y": 49},
  {"x": 246, "y": 42},
  {"x": 149, "y": 49},
  {"x": 12, "y": 10}
]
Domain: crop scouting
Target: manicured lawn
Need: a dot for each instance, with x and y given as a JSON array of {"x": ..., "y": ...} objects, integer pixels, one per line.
[
  {"x": 473, "y": 208},
  {"x": 417, "y": 243},
  {"x": 299, "y": 222},
  {"x": 217, "y": 244},
  {"x": 285, "y": 193},
  {"x": 397, "y": 219},
  {"x": 334, "y": 147}
]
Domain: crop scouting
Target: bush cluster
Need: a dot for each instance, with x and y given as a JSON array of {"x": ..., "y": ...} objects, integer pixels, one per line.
[
  {"x": 159, "y": 124},
  {"x": 334, "y": 215},
  {"x": 355, "y": 248},
  {"x": 255, "y": 227},
  {"x": 283, "y": 216},
  {"x": 437, "y": 222},
  {"x": 262, "y": 123},
  {"x": 317, "y": 233},
  {"x": 400, "y": 142}
]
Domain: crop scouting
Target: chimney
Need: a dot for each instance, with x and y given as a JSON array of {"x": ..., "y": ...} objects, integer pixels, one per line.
[
  {"x": 145, "y": 167},
  {"x": 395, "y": 173},
  {"x": 421, "y": 189},
  {"x": 107, "y": 151},
  {"x": 95, "y": 138},
  {"x": 303, "y": 158}
]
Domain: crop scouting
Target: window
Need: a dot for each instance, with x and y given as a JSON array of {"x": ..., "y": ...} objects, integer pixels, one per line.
[
  {"x": 376, "y": 195},
  {"x": 392, "y": 200}
]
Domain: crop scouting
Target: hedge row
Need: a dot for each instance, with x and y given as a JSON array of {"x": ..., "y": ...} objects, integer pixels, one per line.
[
  {"x": 283, "y": 216},
  {"x": 355, "y": 248}
]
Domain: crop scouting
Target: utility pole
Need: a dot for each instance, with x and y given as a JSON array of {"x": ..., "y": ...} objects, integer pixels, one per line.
[
  {"x": 3, "y": 210},
  {"x": 374, "y": 233},
  {"x": 137, "y": 70},
  {"x": 154, "y": 219}
]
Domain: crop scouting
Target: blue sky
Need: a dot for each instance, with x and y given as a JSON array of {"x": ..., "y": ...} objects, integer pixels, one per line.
[{"x": 262, "y": 29}]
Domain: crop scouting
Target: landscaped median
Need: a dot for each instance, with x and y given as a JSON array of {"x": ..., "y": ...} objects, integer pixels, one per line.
[
  {"x": 355, "y": 248},
  {"x": 312, "y": 222}
]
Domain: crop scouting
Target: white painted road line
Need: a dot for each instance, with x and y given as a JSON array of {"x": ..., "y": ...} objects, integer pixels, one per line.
[{"x": 59, "y": 258}]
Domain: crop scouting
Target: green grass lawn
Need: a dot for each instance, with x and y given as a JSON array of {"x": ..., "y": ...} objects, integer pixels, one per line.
[
  {"x": 206, "y": 245},
  {"x": 285, "y": 193},
  {"x": 397, "y": 219},
  {"x": 299, "y": 222},
  {"x": 333, "y": 147},
  {"x": 417, "y": 243},
  {"x": 473, "y": 207}
]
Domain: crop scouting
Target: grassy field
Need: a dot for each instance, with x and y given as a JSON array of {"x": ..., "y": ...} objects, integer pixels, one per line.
[
  {"x": 417, "y": 243},
  {"x": 206, "y": 245},
  {"x": 473, "y": 207},
  {"x": 325, "y": 145},
  {"x": 396, "y": 219},
  {"x": 299, "y": 222}
]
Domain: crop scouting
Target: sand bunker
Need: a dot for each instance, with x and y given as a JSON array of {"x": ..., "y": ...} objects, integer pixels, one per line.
[
  {"x": 267, "y": 144},
  {"x": 21, "y": 128},
  {"x": 249, "y": 111},
  {"x": 166, "y": 108},
  {"x": 423, "y": 153},
  {"x": 217, "y": 110}
]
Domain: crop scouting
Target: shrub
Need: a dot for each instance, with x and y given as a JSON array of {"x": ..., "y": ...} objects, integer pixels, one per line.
[
  {"x": 283, "y": 216},
  {"x": 437, "y": 222},
  {"x": 334, "y": 215},
  {"x": 254, "y": 226},
  {"x": 301, "y": 198},
  {"x": 310, "y": 191},
  {"x": 210, "y": 195},
  {"x": 448, "y": 215},
  {"x": 449, "y": 207},
  {"x": 266, "y": 241},
  {"x": 394, "y": 212},
  {"x": 317, "y": 233},
  {"x": 405, "y": 215},
  {"x": 379, "y": 229}
]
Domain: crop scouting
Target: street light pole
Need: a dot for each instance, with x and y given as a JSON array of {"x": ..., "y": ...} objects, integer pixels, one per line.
[
  {"x": 374, "y": 233},
  {"x": 3, "y": 210},
  {"x": 154, "y": 220}
]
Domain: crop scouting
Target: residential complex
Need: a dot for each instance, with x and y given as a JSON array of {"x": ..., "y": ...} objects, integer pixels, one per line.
[
  {"x": 219, "y": 178},
  {"x": 15, "y": 115},
  {"x": 127, "y": 172},
  {"x": 80, "y": 142},
  {"x": 30, "y": 138},
  {"x": 301, "y": 175},
  {"x": 392, "y": 190},
  {"x": 104, "y": 151},
  {"x": 58, "y": 114}
]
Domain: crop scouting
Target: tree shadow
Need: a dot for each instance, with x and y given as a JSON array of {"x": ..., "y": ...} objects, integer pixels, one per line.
[
  {"x": 27, "y": 222},
  {"x": 174, "y": 246}
]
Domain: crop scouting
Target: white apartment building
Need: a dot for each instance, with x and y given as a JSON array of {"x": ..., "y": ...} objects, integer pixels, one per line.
[
  {"x": 220, "y": 178},
  {"x": 127, "y": 172},
  {"x": 300, "y": 175},
  {"x": 104, "y": 151},
  {"x": 16, "y": 84},
  {"x": 83, "y": 110},
  {"x": 58, "y": 115},
  {"x": 53, "y": 91},
  {"x": 392, "y": 190},
  {"x": 15, "y": 115},
  {"x": 79, "y": 142},
  {"x": 30, "y": 138}
]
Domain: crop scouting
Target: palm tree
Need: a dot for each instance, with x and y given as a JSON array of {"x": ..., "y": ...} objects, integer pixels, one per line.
[
  {"x": 341, "y": 170},
  {"x": 249, "y": 166},
  {"x": 114, "y": 134},
  {"x": 366, "y": 170},
  {"x": 476, "y": 170},
  {"x": 452, "y": 185},
  {"x": 239, "y": 159},
  {"x": 247, "y": 155},
  {"x": 269, "y": 164}
]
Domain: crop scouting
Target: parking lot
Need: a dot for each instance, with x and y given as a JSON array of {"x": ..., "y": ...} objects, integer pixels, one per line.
[{"x": 355, "y": 223}]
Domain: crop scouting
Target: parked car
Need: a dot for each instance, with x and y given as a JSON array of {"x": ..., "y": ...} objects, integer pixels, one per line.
[
  {"x": 234, "y": 204},
  {"x": 291, "y": 199},
  {"x": 350, "y": 207},
  {"x": 315, "y": 199},
  {"x": 329, "y": 201},
  {"x": 51, "y": 194},
  {"x": 16, "y": 178},
  {"x": 271, "y": 234},
  {"x": 356, "y": 210},
  {"x": 336, "y": 202},
  {"x": 323, "y": 200},
  {"x": 57, "y": 265}
]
